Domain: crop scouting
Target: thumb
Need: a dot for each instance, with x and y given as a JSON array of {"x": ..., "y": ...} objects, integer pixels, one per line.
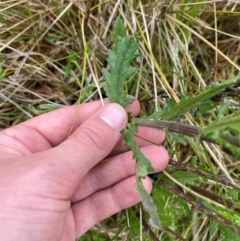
[
  {"x": 88, "y": 145},
  {"x": 95, "y": 138}
]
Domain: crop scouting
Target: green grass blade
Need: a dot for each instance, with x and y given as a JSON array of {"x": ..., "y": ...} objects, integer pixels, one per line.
[{"x": 188, "y": 104}]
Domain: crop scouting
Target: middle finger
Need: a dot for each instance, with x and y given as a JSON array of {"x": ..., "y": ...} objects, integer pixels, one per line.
[{"x": 116, "y": 169}]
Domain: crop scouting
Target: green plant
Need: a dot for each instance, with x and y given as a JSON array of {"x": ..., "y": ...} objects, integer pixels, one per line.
[{"x": 123, "y": 52}]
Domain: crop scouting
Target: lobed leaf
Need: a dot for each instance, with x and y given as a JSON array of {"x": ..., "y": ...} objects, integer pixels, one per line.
[
  {"x": 123, "y": 52},
  {"x": 143, "y": 167},
  {"x": 119, "y": 59},
  {"x": 148, "y": 205},
  {"x": 198, "y": 101},
  {"x": 119, "y": 31}
]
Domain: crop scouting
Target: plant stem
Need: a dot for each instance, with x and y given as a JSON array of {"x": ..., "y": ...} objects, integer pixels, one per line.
[{"x": 173, "y": 126}]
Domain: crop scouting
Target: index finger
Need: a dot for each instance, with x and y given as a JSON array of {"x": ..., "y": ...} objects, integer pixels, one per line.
[{"x": 51, "y": 129}]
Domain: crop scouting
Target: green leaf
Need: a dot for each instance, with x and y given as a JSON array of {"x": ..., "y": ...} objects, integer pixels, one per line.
[
  {"x": 49, "y": 107},
  {"x": 119, "y": 31},
  {"x": 232, "y": 122},
  {"x": 148, "y": 205},
  {"x": 143, "y": 167},
  {"x": 119, "y": 59},
  {"x": 123, "y": 52},
  {"x": 186, "y": 177},
  {"x": 189, "y": 103},
  {"x": 228, "y": 234}
]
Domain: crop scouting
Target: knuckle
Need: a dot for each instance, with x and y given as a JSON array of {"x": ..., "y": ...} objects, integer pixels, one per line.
[
  {"x": 92, "y": 138},
  {"x": 93, "y": 181},
  {"x": 116, "y": 202}
]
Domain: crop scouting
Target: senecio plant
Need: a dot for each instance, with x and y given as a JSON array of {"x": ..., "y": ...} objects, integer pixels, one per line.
[{"x": 124, "y": 51}]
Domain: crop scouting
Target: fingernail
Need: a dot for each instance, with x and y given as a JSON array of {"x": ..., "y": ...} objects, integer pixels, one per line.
[{"x": 114, "y": 115}]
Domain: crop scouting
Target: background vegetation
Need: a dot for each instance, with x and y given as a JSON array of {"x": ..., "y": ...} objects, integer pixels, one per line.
[{"x": 52, "y": 53}]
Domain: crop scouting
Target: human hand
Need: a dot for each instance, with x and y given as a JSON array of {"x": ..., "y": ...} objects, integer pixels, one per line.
[{"x": 54, "y": 186}]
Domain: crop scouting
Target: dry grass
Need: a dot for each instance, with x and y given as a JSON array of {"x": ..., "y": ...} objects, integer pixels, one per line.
[
  {"x": 52, "y": 52},
  {"x": 47, "y": 45}
]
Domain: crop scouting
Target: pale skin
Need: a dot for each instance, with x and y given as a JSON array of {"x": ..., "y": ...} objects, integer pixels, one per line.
[{"x": 56, "y": 187}]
